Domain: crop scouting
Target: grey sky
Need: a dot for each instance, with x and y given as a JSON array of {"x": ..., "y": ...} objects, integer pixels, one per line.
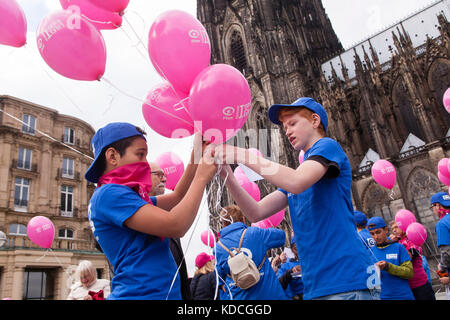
[{"x": 24, "y": 74}]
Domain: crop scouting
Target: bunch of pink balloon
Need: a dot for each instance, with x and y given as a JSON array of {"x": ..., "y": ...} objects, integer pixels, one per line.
[
  {"x": 404, "y": 218},
  {"x": 166, "y": 111},
  {"x": 446, "y": 100},
  {"x": 270, "y": 222},
  {"x": 219, "y": 95},
  {"x": 41, "y": 231},
  {"x": 173, "y": 168},
  {"x": 208, "y": 238},
  {"x": 383, "y": 172},
  {"x": 249, "y": 186},
  {"x": 444, "y": 171},
  {"x": 416, "y": 233},
  {"x": 13, "y": 24}
]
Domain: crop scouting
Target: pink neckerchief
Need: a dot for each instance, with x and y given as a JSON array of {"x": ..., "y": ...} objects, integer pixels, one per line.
[
  {"x": 443, "y": 212},
  {"x": 136, "y": 176}
]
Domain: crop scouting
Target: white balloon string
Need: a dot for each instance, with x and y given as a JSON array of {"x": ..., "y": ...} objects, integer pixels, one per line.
[
  {"x": 56, "y": 257},
  {"x": 99, "y": 22},
  {"x": 48, "y": 136}
]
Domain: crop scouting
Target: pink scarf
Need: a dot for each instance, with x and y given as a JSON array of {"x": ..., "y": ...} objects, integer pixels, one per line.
[
  {"x": 136, "y": 176},
  {"x": 443, "y": 212}
]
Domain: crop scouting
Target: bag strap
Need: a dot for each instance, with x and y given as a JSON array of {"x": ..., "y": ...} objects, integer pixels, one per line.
[
  {"x": 226, "y": 249},
  {"x": 242, "y": 239}
]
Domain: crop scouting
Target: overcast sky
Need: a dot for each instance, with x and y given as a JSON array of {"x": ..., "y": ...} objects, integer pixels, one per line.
[{"x": 25, "y": 75}]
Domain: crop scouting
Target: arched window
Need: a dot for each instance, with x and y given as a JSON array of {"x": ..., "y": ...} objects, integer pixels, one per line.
[
  {"x": 376, "y": 202},
  {"x": 440, "y": 80},
  {"x": 17, "y": 229},
  {"x": 239, "y": 59},
  {"x": 403, "y": 100}
]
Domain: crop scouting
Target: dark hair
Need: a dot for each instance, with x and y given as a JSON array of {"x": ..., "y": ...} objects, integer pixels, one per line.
[{"x": 120, "y": 146}]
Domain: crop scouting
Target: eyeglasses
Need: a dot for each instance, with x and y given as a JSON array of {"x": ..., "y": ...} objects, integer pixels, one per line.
[
  {"x": 159, "y": 173},
  {"x": 434, "y": 205}
]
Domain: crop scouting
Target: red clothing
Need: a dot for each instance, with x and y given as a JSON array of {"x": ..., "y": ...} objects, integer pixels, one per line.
[{"x": 420, "y": 276}]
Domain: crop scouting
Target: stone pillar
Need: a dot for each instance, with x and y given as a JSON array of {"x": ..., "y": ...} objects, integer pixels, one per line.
[{"x": 17, "y": 283}]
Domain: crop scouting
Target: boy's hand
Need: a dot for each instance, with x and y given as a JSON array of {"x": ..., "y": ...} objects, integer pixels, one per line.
[
  {"x": 199, "y": 147},
  {"x": 381, "y": 264},
  {"x": 227, "y": 154},
  {"x": 207, "y": 165}
]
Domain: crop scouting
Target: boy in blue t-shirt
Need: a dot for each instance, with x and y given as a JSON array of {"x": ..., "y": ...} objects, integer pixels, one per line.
[
  {"x": 132, "y": 229},
  {"x": 394, "y": 262},
  {"x": 334, "y": 262},
  {"x": 361, "y": 227}
]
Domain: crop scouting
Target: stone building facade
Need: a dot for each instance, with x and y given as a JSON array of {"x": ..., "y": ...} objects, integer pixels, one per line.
[
  {"x": 43, "y": 156},
  {"x": 383, "y": 96}
]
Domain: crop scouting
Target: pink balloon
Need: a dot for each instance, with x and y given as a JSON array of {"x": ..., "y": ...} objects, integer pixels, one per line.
[
  {"x": 165, "y": 111},
  {"x": 13, "y": 24},
  {"x": 249, "y": 186},
  {"x": 276, "y": 219},
  {"x": 445, "y": 180},
  {"x": 263, "y": 224},
  {"x": 173, "y": 167},
  {"x": 72, "y": 46},
  {"x": 416, "y": 233},
  {"x": 220, "y": 102},
  {"x": 446, "y": 100},
  {"x": 179, "y": 48},
  {"x": 301, "y": 156},
  {"x": 100, "y": 18},
  {"x": 111, "y": 5},
  {"x": 383, "y": 172},
  {"x": 41, "y": 231},
  {"x": 208, "y": 238},
  {"x": 239, "y": 172},
  {"x": 443, "y": 167},
  {"x": 404, "y": 218}
]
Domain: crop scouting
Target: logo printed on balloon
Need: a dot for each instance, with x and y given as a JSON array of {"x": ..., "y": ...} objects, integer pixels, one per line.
[
  {"x": 199, "y": 36},
  {"x": 238, "y": 112}
]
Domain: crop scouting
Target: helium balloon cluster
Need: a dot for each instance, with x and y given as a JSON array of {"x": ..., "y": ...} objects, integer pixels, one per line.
[
  {"x": 415, "y": 232},
  {"x": 444, "y": 171},
  {"x": 194, "y": 96}
]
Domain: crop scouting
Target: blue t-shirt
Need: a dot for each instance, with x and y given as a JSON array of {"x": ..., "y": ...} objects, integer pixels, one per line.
[
  {"x": 393, "y": 287},
  {"x": 143, "y": 264},
  {"x": 443, "y": 231},
  {"x": 256, "y": 243},
  {"x": 333, "y": 258},
  {"x": 295, "y": 286},
  {"x": 366, "y": 238}
]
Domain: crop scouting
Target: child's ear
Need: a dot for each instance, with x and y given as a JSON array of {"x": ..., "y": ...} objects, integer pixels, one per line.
[{"x": 111, "y": 156}]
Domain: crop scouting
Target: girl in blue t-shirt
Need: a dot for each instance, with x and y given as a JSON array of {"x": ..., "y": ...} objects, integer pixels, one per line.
[{"x": 334, "y": 262}]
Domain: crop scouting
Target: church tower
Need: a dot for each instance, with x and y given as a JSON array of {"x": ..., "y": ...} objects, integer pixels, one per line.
[{"x": 278, "y": 45}]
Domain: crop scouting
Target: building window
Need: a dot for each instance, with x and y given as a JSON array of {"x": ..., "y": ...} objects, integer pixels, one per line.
[
  {"x": 24, "y": 158},
  {"x": 17, "y": 229},
  {"x": 239, "y": 60},
  {"x": 69, "y": 135},
  {"x": 38, "y": 284},
  {"x": 65, "y": 233},
  {"x": 67, "y": 167},
  {"x": 29, "y": 124},
  {"x": 66, "y": 201},
  {"x": 21, "y": 190}
]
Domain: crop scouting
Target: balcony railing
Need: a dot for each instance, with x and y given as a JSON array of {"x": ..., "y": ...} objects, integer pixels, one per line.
[
  {"x": 24, "y": 165},
  {"x": 23, "y": 242}
]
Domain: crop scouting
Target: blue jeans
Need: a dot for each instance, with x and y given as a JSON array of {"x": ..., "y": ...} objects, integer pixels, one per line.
[{"x": 353, "y": 295}]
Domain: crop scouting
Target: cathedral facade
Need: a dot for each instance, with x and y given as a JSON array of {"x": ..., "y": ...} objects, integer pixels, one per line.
[{"x": 383, "y": 96}]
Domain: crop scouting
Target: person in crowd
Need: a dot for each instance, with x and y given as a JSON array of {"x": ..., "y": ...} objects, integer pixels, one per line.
[
  {"x": 204, "y": 283},
  {"x": 132, "y": 228},
  {"x": 158, "y": 188},
  {"x": 255, "y": 244},
  {"x": 440, "y": 204},
  {"x": 361, "y": 227},
  {"x": 420, "y": 286},
  {"x": 318, "y": 194},
  {"x": 290, "y": 275},
  {"x": 88, "y": 287},
  {"x": 393, "y": 261}
]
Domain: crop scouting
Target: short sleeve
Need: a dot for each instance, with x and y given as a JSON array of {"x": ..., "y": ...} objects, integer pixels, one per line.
[
  {"x": 328, "y": 149},
  {"x": 403, "y": 255},
  {"x": 116, "y": 203}
]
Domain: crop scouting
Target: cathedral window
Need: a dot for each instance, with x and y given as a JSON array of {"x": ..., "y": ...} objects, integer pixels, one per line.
[{"x": 239, "y": 59}]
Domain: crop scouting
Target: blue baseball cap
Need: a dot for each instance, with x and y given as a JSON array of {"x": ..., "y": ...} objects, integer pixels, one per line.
[
  {"x": 376, "y": 223},
  {"x": 442, "y": 198},
  {"x": 104, "y": 137},
  {"x": 308, "y": 103},
  {"x": 360, "y": 218}
]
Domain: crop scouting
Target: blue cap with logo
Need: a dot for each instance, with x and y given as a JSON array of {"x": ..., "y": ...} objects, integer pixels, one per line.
[
  {"x": 360, "y": 218},
  {"x": 104, "y": 137},
  {"x": 304, "y": 102},
  {"x": 442, "y": 198},
  {"x": 376, "y": 223}
]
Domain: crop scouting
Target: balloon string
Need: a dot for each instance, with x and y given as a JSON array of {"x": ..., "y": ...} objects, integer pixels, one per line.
[
  {"x": 56, "y": 257},
  {"x": 48, "y": 136},
  {"x": 100, "y": 22}
]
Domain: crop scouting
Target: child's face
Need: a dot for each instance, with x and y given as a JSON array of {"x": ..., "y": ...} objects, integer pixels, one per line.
[
  {"x": 136, "y": 152},
  {"x": 298, "y": 129},
  {"x": 379, "y": 235},
  {"x": 396, "y": 230}
]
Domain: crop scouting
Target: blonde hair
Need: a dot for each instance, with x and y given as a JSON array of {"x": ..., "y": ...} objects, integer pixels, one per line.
[
  {"x": 207, "y": 268},
  {"x": 231, "y": 214},
  {"x": 86, "y": 267},
  {"x": 303, "y": 112}
]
